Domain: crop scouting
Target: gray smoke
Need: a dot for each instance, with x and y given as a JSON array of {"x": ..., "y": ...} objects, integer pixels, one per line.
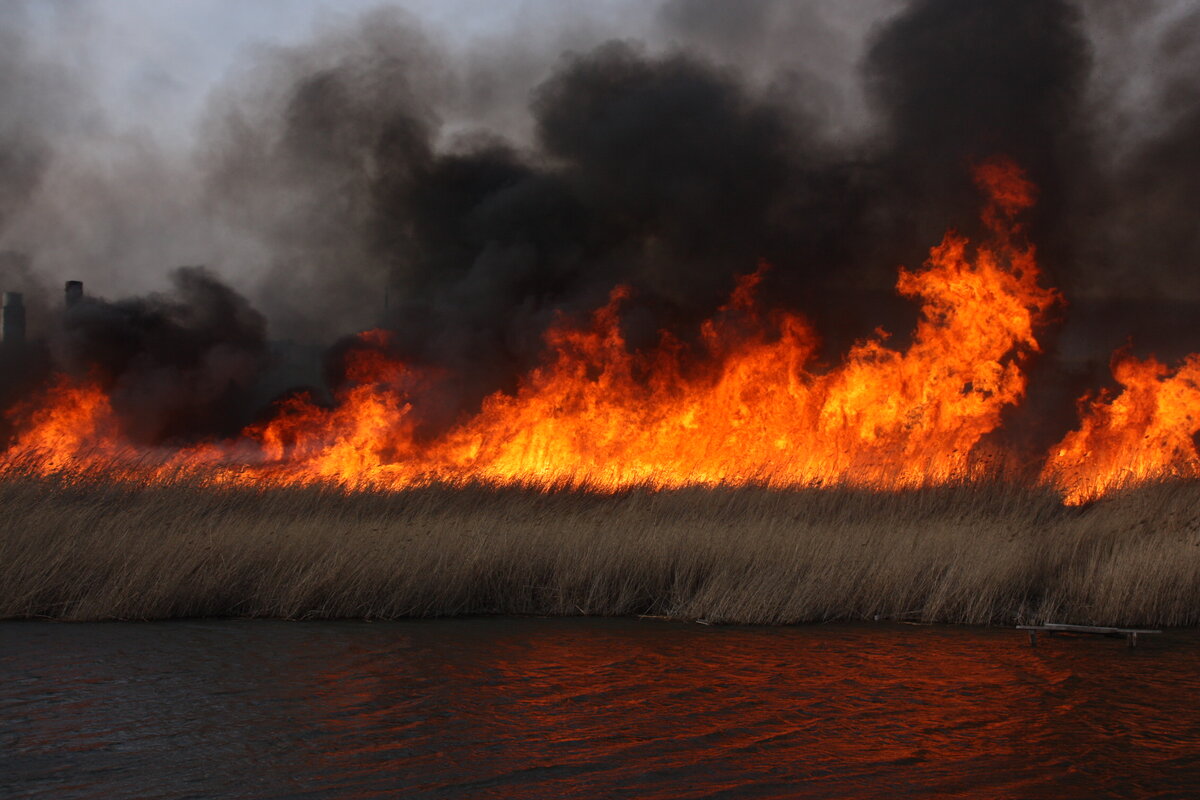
[
  {"x": 375, "y": 175},
  {"x": 177, "y": 366}
]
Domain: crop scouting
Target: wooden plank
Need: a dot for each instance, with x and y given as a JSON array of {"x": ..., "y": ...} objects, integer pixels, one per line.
[
  {"x": 1096, "y": 629},
  {"x": 1050, "y": 628},
  {"x": 1099, "y": 629}
]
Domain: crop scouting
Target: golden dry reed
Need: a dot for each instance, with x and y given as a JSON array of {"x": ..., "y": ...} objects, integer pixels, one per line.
[{"x": 990, "y": 553}]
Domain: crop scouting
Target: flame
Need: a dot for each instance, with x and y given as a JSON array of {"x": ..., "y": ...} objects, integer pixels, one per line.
[
  {"x": 1144, "y": 433},
  {"x": 70, "y": 427},
  {"x": 749, "y": 406},
  {"x": 747, "y": 402}
]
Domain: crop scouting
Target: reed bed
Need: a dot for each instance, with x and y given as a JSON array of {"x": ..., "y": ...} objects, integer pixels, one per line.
[{"x": 987, "y": 553}]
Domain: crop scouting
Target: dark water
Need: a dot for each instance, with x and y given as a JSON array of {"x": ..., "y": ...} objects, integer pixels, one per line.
[{"x": 536, "y": 708}]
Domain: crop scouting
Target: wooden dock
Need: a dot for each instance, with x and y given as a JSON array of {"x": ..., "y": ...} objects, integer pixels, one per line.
[{"x": 1051, "y": 628}]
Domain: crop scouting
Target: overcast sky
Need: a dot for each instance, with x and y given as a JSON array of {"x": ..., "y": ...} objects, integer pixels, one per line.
[{"x": 151, "y": 63}]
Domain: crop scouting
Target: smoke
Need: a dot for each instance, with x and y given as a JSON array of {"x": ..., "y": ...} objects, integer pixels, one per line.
[
  {"x": 462, "y": 198},
  {"x": 177, "y": 366},
  {"x": 805, "y": 54},
  {"x": 296, "y": 153},
  {"x": 24, "y": 147},
  {"x": 955, "y": 82},
  {"x": 663, "y": 171},
  {"x": 1144, "y": 234}
]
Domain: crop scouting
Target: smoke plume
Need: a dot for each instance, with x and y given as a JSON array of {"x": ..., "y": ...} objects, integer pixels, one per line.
[
  {"x": 177, "y": 366},
  {"x": 366, "y": 178}
]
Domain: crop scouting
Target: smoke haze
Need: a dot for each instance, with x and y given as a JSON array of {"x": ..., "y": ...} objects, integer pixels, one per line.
[{"x": 463, "y": 187}]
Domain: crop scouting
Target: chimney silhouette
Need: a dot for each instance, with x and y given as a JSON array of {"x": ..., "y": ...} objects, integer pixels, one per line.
[
  {"x": 12, "y": 319},
  {"x": 74, "y": 292}
]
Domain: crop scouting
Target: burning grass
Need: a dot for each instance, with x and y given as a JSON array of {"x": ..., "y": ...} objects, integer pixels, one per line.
[
  {"x": 744, "y": 401},
  {"x": 983, "y": 553}
]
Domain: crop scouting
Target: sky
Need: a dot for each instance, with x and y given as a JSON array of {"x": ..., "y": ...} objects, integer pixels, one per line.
[{"x": 152, "y": 63}]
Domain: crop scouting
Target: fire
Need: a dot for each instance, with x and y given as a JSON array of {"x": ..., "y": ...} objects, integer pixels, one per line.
[
  {"x": 750, "y": 406},
  {"x": 746, "y": 402},
  {"x": 885, "y": 418},
  {"x": 72, "y": 428},
  {"x": 1145, "y": 432}
]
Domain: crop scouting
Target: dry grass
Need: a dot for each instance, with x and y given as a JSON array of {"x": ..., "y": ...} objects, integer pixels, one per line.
[{"x": 972, "y": 554}]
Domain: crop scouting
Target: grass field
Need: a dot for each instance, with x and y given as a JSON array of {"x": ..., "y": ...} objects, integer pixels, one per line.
[{"x": 988, "y": 553}]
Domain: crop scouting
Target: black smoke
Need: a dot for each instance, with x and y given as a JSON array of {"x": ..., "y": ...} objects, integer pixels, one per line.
[
  {"x": 956, "y": 82},
  {"x": 670, "y": 168},
  {"x": 178, "y": 366},
  {"x": 661, "y": 171}
]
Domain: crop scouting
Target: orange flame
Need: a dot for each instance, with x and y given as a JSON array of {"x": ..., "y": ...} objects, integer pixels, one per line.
[
  {"x": 1144, "y": 433},
  {"x": 747, "y": 403},
  {"x": 73, "y": 425}
]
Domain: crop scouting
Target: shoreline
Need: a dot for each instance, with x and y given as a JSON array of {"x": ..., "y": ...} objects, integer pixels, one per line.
[
  {"x": 888, "y": 625},
  {"x": 981, "y": 554}
]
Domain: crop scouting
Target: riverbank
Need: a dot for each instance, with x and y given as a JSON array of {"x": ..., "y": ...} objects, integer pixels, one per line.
[{"x": 981, "y": 554}]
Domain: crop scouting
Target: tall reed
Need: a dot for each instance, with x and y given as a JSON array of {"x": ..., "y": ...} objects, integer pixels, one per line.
[{"x": 981, "y": 553}]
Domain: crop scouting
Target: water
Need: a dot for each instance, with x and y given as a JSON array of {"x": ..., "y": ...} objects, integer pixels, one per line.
[{"x": 554, "y": 708}]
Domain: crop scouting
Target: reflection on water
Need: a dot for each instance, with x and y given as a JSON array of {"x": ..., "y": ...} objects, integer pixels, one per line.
[{"x": 531, "y": 708}]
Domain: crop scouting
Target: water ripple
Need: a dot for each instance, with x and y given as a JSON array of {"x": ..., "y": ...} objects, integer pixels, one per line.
[{"x": 564, "y": 708}]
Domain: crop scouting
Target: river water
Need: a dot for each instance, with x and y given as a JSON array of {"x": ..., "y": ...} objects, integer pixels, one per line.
[{"x": 590, "y": 708}]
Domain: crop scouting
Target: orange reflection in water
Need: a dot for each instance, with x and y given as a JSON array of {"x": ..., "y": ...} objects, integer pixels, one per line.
[
  {"x": 584, "y": 708},
  {"x": 570, "y": 708}
]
